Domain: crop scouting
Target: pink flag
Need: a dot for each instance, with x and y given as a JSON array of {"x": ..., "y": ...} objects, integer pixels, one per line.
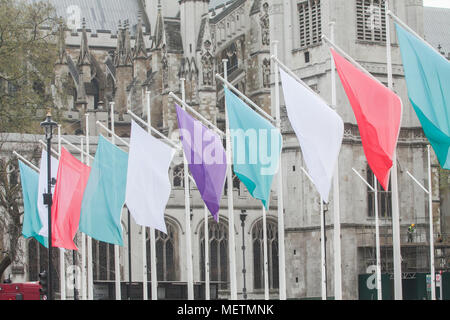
[
  {"x": 378, "y": 112},
  {"x": 71, "y": 181}
]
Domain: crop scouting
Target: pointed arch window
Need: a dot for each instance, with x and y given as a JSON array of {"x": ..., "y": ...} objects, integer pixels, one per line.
[
  {"x": 258, "y": 254},
  {"x": 218, "y": 253},
  {"x": 167, "y": 263}
]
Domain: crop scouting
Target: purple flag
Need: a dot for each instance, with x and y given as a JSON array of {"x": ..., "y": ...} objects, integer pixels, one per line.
[{"x": 206, "y": 158}]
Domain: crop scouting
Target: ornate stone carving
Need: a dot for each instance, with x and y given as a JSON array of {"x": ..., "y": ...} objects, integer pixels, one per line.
[
  {"x": 207, "y": 65},
  {"x": 266, "y": 73},
  {"x": 264, "y": 22},
  {"x": 165, "y": 67}
]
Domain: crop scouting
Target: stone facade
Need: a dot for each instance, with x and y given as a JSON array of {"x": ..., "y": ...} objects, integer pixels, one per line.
[{"x": 168, "y": 43}]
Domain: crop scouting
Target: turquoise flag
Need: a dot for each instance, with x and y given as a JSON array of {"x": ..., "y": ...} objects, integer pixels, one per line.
[
  {"x": 104, "y": 195},
  {"x": 31, "y": 222},
  {"x": 256, "y": 147},
  {"x": 428, "y": 79}
]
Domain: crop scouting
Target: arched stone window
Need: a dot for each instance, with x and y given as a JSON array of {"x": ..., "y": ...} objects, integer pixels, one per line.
[
  {"x": 218, "y": 253},
  {"x": 103, "y": 260},
  {"x": 258, "y": 254},
  {"x": 167, "y": 255},
  {"x": 178, "y": 176}
]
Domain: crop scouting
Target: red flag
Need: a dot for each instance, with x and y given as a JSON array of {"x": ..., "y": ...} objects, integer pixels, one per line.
[
  {"x": 71, "y": 181},
  {"x": 378, "y": 112}
]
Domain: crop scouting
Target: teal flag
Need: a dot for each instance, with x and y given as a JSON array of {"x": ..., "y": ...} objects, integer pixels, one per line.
[
  {"x": 256, "y": 147},
  {"x": 428, "y": 79},
  {"x": 104, "y": 195},
  {"x": 31, "y": 221}
]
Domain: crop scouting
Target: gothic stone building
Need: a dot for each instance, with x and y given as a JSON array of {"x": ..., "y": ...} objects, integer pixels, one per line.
[{"x": 114, "y": 51}]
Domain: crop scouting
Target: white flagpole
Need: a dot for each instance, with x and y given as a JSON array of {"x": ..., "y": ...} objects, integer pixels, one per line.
[
  {"x": 323, "y": 260},
  {"x": 143, "y": 228},
  {"x": 116, "y": 247},
  {"x": 430, "y": 207},
  {"x": 207, "y": 289},
  {"x": 336, "y": 197},
  {"x": 266, "y": 263},
  {"x": 153, "y": 267},
  {"x": 26, "y": 161},
  {"x": 377, "y": 240},
  {"x": 281, "y": 246},
  {"x": 62, "y": 265},
  {"x": 322, "y": 251},
  {"x": 89, "y": 239},
  {"x": 190, "y": 275},
  {"x": 231, "y": 245},
  {"x": 398, "y": 291},
  {"x": 83, "y": 246},
  {"x": 374, "y": 189}
]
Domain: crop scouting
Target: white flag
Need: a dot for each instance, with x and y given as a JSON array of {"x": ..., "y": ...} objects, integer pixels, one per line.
[
  {"x": 42, "y": 208},
  {"x": 148, "y": 183},
  {"x": 319, "y": 130}
]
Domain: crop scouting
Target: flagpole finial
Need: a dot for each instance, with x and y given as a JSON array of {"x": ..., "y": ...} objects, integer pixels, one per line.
[{"x": 332, "y": 23}]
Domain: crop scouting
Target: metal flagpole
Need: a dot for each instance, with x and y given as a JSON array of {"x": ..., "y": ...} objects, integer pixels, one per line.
[
  {"x": 430, "y": 208},
  {"x": 374, "y": 189},
  {"x": 266, "y": 264},
  {"x": 398, "y": 291},
  {"x": 336, "y": 197},
  {"x": 116, "y": 247},
  {"x": 89, "y": 239},
  {"x": 322, "y": 251},
  {"x": 231, "y": 248},
  {"x": 281, "y": 246},
  {"x": 83, "y": 246},
  {"x": 144, "y": 229},
  {"x": 62, "y": 265},
  {"x": 429, "y": 192},
  {"x": 190, "y": 275},
  {"x": 207, "y": 288},
  {"x": 153, "y": 267},
  {"x": 129, "y": 257},
  {"x": 323, "y": 260}
]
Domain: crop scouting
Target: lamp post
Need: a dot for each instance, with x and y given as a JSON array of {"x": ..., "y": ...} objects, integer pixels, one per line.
[
  {"x": 48, "y": 126},
  {"x": 244, "y": 271}
]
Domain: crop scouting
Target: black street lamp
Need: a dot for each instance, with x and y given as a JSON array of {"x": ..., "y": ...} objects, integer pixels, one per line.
[
  {"x": 48, "y": 126},
  {"x": 244, "y": 271}
]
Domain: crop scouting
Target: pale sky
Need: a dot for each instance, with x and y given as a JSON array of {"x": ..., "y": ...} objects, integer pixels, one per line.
[{"x": 437, "y": 3}]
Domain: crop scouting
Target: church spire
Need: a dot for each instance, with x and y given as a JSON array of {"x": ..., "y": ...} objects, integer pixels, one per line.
[
  {"x": 84, "y": 58},
  {"x": 62, "y": 55},
  {"x": 140, "y": 51}
]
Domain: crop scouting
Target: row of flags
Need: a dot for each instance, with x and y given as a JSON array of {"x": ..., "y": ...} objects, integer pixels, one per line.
[{"x": 90, "y": 199}]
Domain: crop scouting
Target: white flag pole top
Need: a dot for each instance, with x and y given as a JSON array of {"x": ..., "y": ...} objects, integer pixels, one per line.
[
  {"x": 231, "y": 233},
  {"x": 404, "y": 25},
  {"x": 116, "y": 247},
  {"x": 26, "y": 161},
  {"x": 245, "y": 98},
  {"x": 112, "y": 133},
  {"x": 166, "y": 139},
  {"x": 51, "y": 149},
  {"x": 374, "y": 189},
  {"x": 186, "y": 106},
  {"x": 349, "y": 58},
  {"x": 396, "y": 247}
]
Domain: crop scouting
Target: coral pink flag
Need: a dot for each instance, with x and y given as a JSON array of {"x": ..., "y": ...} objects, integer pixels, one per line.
[
  {"x": 71, "y": 181},
  {"x": 378, "y": 112}
]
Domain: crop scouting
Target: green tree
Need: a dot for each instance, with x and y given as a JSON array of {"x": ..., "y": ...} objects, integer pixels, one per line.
[
  {"x": 27, "y": 56},
  {"x": 28, "y": 53}
]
